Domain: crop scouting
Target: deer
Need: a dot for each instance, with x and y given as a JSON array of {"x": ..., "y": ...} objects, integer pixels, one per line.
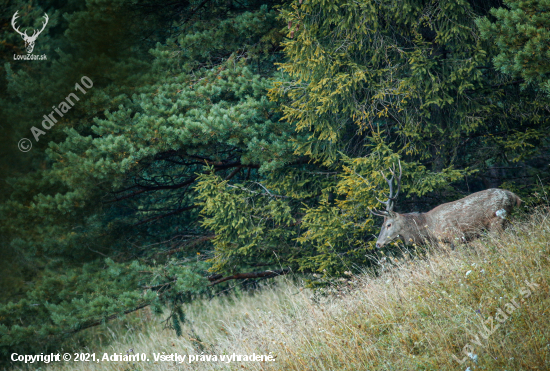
[
  {"x": 459, "y": 220},
  {"x": 29, "y": 40}
]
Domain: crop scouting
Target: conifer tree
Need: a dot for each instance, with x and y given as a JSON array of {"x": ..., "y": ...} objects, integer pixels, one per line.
[
  {"x": 521, "y": 35},
  {"x": 180, "y": 94},
  {"x": 368, "y": 83}
]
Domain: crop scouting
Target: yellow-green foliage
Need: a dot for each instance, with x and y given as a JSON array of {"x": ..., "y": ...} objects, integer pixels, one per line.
[
  {"x": 334, "y": 228},
  {"x": 415, "y": 316}
]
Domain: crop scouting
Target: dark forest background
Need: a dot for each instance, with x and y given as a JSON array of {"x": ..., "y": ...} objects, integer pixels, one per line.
[{"x": 235, "y": 140}]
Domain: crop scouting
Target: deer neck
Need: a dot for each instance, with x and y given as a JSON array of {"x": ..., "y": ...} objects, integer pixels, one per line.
[{"x": 415, "y": 227}]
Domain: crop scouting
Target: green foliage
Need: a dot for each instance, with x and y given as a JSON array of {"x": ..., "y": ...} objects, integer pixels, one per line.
[
  {"x": 368, "y": 65},
  {"x": 522, "y": 37},
  {"x": 248, "y": 220}
]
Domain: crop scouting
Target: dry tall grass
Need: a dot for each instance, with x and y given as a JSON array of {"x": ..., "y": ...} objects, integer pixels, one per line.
[{"x": 415, "y": 316}]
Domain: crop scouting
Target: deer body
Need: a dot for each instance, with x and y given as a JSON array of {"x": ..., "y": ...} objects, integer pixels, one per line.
[{"x": 461, "y": 219}]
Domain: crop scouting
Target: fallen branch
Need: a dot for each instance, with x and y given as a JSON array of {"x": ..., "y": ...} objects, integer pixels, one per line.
[
  {"x": 98, "y": 322},
  {"x": 239, "y": 276}
]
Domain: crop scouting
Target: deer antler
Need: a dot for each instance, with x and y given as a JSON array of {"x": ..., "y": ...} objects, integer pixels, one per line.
[
  {"x": 15, "y": 16},
  {"x": 391, "y": 197},
  {"x": 43, "y": 27}
]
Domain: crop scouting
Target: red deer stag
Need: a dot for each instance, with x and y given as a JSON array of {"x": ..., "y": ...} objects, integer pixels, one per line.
[{"x": 461, "y": 219}]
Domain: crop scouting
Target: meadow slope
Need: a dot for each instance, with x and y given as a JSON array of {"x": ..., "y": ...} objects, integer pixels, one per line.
[{"x": 484, "y": 306}]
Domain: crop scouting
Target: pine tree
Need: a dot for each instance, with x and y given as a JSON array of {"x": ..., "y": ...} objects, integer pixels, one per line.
[
  {"x": 521, "y": 35},
  {"x": 117, "y": 174}
]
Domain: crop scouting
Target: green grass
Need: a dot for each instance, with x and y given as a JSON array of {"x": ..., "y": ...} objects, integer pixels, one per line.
[{"x": 415, "y": 316}]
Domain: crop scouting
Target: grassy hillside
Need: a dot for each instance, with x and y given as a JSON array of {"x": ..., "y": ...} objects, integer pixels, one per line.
[{"x": 420, "y": 314}]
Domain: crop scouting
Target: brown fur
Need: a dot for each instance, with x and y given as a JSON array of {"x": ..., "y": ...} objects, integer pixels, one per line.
[{"x": 461, "y": 219}]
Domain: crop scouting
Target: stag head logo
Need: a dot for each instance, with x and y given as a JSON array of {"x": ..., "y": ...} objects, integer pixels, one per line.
[{"x": 29, "y": 40}]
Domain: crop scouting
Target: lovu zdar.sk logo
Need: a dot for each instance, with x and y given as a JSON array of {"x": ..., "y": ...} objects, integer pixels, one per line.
[{"x": 29, "y": 40}]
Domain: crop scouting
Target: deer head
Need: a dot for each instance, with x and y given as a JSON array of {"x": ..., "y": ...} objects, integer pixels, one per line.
[
  {"x": 29, "y": 40},
  {"x": 392, "y": 220}
]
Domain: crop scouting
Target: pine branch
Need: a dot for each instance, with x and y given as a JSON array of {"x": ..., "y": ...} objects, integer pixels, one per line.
[
  {"x": 178, "y": 211},
  {"x": 162, "y": 285},
  {"x": 195, "y": 10},
  {"x": 219, "y": 166}
]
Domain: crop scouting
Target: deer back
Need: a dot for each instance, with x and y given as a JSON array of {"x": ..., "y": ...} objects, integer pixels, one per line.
[{"x": 470, "y": 214}]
